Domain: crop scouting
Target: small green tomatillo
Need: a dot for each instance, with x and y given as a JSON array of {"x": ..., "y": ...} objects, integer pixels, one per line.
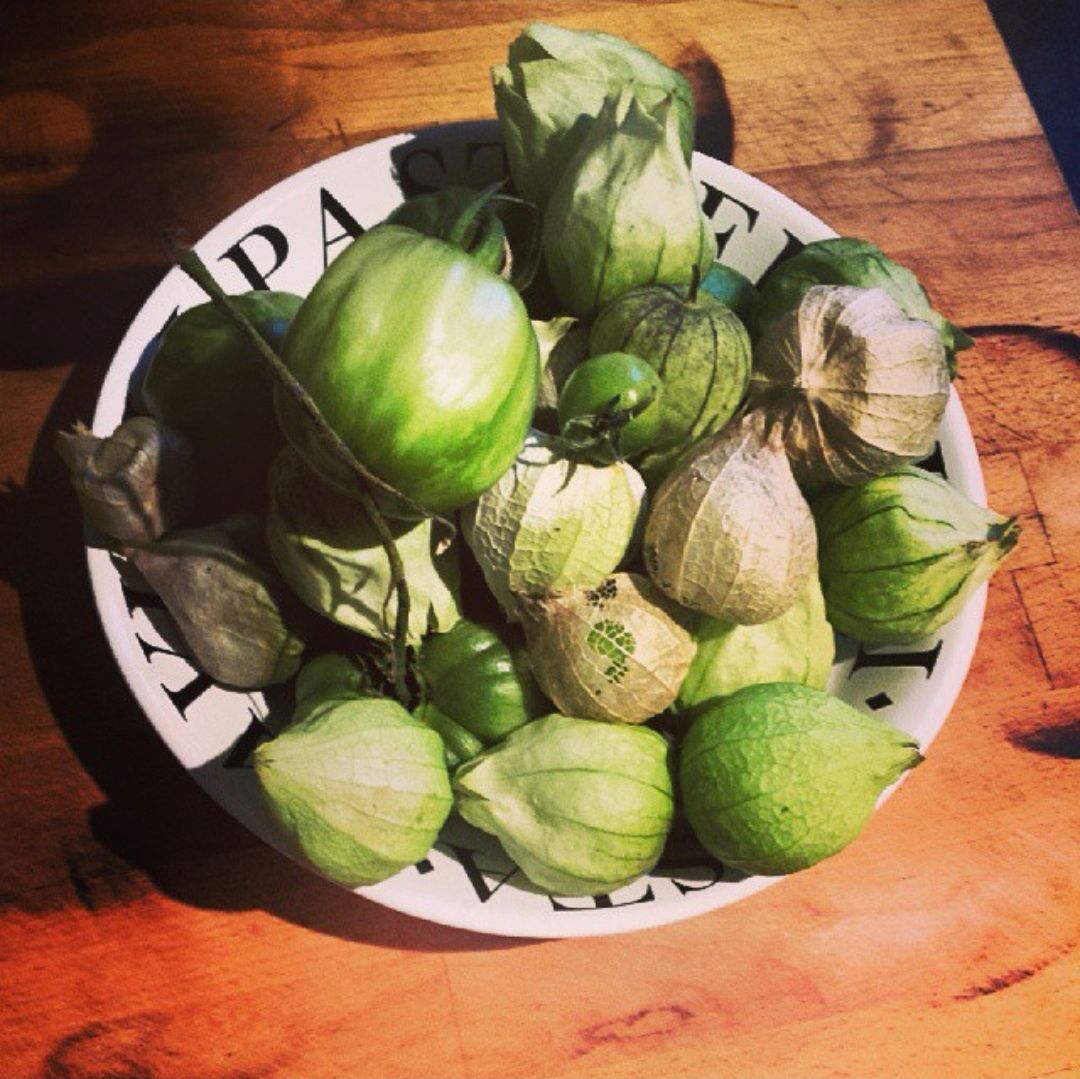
[{"x": 609, "y": 408}]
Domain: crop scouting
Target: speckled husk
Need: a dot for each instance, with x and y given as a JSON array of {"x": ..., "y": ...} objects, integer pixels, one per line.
[
  {"x": 729, "y": 532},
  {"x": 617, "y": 652}
]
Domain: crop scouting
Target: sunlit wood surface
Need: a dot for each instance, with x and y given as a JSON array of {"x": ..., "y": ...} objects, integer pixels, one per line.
[{"x": 144, "y": 933}]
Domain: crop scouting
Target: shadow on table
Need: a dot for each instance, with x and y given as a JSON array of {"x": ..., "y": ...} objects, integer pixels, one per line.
[{"x": 155, "y": 819}]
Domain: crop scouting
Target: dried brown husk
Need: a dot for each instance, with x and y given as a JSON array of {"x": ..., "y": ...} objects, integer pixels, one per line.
[
  {"x": 860, "y": 387},
  {"x": 616, "y": 652},
  {"x": 729, "y": 532},
  {"x": 134, "y": 485},
  {"x": 228, "y": 609}
]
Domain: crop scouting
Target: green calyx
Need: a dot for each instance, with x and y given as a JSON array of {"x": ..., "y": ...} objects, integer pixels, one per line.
[
  {"x": 582, "y": 807},
  {"x": 358, "y": 786},
  {"x": 610, "y": 408},
  {"x": 779, "y": 776},
  {"x": 901, "y": 554},
  {"x": 328, "y": 551}
]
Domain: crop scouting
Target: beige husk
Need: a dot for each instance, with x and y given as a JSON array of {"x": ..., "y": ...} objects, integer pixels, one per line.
[
  {"x": 616, "y": 652},
  {"x": 729, "y": 532},
  {"x": 860, "y": 387}
]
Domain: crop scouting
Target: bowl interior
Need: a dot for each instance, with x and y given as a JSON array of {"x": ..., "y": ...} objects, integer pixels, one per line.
[{"x": 283, "y": 239}]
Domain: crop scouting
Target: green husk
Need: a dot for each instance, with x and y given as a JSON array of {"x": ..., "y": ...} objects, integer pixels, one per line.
[
  {"x": 626, "y": 211},
  {"x": 701, "y": 351},
  {"x": 582, "y": 807},
  {"x": 779, "y": 776},
  {"x": 326, "y": 548},
  {"x": 901, "y": 554},
  {"x": 358, "y": 786},
  {"x": 796, "y": 646},
  {"x": 553, "y": 87}
]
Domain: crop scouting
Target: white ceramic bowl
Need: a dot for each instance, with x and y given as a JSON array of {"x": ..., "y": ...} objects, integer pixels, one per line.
[{"x": 285, "y": 236}]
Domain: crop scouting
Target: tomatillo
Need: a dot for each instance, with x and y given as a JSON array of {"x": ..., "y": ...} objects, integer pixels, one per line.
[
  {"x": 609, "y": 408},
  {"x": 425, "y": 364}
]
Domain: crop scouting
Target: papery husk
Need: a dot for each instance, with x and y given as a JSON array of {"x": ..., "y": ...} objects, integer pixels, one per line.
[
  {"x": 358, "y": 786},
  {"x": 327, "y": 550},
  {"x": 564, "y": 344},
  {"x": 701, "y": 351},
  {"x": 859, "y": 387},
  {"x": 626, "y": 211},
  {"x": 617, "y": 652},
  {"x": 135, "y": 484},
  {"x": 901, "y": 554},
  {"x": 729, "y": 533},
  {"x": 778, "y": 776},
  {"x": 551, "y": 523},
  {"x": 582, "y": 808},
  {"x": 229, "y": 610},
  {"x": 796, "y": 646},
  {"x": 554, "y": 85},
  {"x": 847, "y": 260}
]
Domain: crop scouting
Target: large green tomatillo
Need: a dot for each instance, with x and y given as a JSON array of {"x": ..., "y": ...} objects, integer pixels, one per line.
[
  {"x": 553, "y": 87},
  {"x": 846, "y": 260},
  {"x": 901, "y": 554},
  {"x": 778, "y": 776},
  {"x": 422, "y": 361},
  {"x": 626, "y": 210}
]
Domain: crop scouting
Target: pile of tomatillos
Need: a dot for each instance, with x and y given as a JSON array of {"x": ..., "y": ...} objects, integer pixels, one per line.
[{"x": 551, "y": 517}]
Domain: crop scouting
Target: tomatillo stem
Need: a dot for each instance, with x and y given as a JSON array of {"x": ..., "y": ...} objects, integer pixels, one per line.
[{"x": 195, "y": 268}]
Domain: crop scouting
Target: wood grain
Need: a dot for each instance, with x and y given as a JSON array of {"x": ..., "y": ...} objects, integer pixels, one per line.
[{"x": 144, "y": 933}]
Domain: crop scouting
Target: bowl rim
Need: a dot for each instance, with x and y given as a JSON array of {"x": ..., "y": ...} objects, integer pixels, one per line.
[{"x": 964, "y": 472}]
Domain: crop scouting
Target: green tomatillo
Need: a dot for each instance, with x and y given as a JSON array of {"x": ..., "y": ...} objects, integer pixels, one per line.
[
  {"x": 206, "y": 382},
  {"x": 626, "y": 211},
  {"x": 582, "y": 807},
  {"x": 610, "y": 408},
  {"x": 778, "y": 776},
  {"x": 359, "y": 788},
  {"x": 422, "y": 361},
  {"x": 901, "y": 553},
  {"x": 477, "y": 687},
  {"x": 701, "y": 352}
]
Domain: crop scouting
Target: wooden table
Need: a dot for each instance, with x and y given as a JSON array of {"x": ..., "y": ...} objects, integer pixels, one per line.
[{"x": 144, "y": 933}]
